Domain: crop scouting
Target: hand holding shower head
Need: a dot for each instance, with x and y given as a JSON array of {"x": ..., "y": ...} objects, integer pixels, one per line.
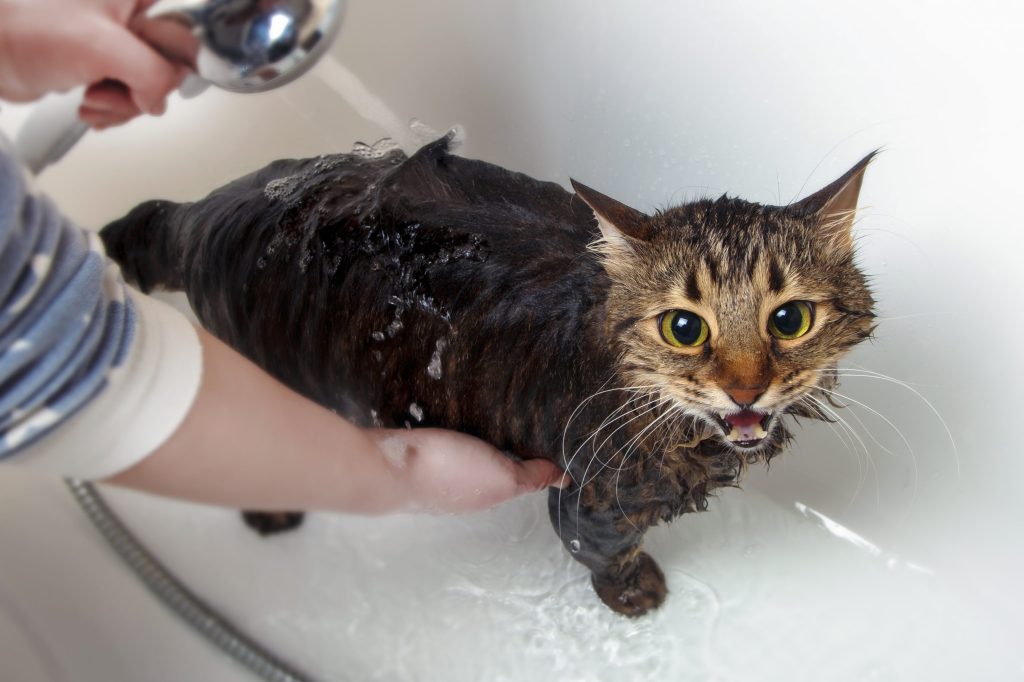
[{"x": 236, "y": 45}]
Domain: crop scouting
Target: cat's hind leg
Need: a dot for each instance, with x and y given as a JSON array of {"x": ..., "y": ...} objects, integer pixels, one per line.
[{"x": 269, "y": 523}]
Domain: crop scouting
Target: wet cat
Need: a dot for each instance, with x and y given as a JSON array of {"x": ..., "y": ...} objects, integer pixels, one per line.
[{"x": 653, "y": 357}]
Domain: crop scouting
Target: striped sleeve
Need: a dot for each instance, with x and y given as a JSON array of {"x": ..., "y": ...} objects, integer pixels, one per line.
[{"x": 93, "y": 375}]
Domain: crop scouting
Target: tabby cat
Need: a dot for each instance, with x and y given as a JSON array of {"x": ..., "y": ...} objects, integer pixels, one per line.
[{"x": 651, "y": 356}]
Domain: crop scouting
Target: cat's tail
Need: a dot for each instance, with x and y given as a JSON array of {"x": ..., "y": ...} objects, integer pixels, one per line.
[{"x": 145, "y": 244}]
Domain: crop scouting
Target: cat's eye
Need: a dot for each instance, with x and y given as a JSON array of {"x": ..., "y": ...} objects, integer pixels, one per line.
[
  {"x": 792, "y": 320},
  {"x": 681, "y": 328}
]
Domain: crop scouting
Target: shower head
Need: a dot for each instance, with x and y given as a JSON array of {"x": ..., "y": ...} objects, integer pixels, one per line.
[
  {"x": 237, "y": 45},
  {"x": 242, "y": 45}
]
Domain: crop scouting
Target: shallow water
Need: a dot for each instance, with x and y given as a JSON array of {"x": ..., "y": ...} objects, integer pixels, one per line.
[{"x": 757, "y": 592}]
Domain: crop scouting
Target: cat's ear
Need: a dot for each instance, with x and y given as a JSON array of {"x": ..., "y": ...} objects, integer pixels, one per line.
[
  {"x": 616, "y": 220},
  {"x": 835, "y": 206}
]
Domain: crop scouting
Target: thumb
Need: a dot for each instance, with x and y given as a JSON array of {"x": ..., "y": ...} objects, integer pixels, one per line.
[{"x": 537, "y": 474}]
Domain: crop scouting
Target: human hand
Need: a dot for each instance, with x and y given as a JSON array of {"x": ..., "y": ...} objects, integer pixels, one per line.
[
  {"x": 55, "y": 45},
  {"x": 447, "y": 471}
]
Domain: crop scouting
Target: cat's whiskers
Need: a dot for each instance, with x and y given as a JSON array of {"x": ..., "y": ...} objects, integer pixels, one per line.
[
  {"x": 868, "y": 431},
  {"x": 652, "y": 405},
  {"x": 659, "y": 402},
  {"x": 913, "y": 456},
  {"x": 860, "y": 421},
  {"x": 601, "y": 391},
  {"x": 843, "y": 437},
  {"x": 672, "y": 435},
  {"x": 567, "y": 464},
  {"x": 618, "y": 472},
  {"x": 648, "y": 407},
  {"x": 629, "y": 446},
  {"x": 862, "y": 470},
  {"x": 870, "y": 374},
  {"x": 621, "y": 412},
  {"x": 583, "y": 403},
  {"x": 635, "y": 390},
  {"x": 867, "y": 373}
]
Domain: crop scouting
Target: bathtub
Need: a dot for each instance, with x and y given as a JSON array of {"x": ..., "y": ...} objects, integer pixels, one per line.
[{"x": 893, "y": 552}]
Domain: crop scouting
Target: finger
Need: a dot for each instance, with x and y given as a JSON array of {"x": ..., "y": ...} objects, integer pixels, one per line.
[
  {"x": 99, "y": 120},
  {"x": 148, "y": 76},
  {"x": 537, "y": 474},
  {"x": 173, "y": 40},
  {"x": 110, "y": 96}
]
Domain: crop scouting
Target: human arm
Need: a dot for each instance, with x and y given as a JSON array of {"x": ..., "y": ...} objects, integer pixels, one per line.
[{"x": 250, "y": 442}]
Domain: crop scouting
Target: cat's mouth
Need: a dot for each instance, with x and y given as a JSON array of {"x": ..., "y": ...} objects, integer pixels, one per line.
[{"x": 746, "y": 428}]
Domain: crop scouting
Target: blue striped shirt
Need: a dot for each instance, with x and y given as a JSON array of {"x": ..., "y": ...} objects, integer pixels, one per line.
[{"x": 66, "y": 321}]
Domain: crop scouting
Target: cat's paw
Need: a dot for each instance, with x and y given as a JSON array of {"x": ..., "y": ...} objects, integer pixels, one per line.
[
  {"x": 637, "y": 589},
  {"x": 268, "y": 523}
]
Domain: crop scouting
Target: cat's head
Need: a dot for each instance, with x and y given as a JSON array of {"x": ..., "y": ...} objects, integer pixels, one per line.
[{"x": 736, "y": 312}]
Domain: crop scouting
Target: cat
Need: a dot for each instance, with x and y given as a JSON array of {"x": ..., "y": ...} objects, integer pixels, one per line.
[{"x": 653, "y": 357}]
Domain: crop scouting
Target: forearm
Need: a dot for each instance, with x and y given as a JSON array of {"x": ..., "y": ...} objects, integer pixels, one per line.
[{"x": 250, "y": 442}]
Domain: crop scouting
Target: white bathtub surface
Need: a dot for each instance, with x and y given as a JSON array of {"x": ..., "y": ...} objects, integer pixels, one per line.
[
  {"x": 895, "y": 554},
  {"x": 758, "y": 592}
]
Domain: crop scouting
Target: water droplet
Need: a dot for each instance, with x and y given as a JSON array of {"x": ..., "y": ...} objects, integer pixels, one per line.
[
  {"x": 574, "y": 546},
  {"x": 377, "y": 336},
  {"x": 362, "y": 149},
  {"x": 395, "y": 327},
  {"x": 416, "y": 411},
  {"x": 261, "y": 263},
  {"x": 434, "y": 369}
]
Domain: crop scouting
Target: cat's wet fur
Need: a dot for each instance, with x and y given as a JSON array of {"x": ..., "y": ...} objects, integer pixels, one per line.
[{"x": 435, "y": 290}]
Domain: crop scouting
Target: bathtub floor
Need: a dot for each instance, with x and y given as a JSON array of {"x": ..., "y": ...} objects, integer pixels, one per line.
[{"x": 758, "y": 592}]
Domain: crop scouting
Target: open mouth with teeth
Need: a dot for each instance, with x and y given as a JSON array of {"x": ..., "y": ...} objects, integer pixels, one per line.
[{"x": 746, "y": 428}]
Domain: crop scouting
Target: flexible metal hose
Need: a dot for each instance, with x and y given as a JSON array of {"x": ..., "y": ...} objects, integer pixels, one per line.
[{"x": 193, "y": 610}]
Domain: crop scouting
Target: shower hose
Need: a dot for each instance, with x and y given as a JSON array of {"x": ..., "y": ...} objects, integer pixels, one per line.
[{"x": 168, "y": 589}]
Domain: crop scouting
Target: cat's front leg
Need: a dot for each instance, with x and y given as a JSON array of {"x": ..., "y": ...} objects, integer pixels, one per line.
[{"x": 625, "y": 577}]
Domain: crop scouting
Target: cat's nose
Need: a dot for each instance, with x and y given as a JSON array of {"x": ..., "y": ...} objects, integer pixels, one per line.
[{"x": 745, "y": 396}]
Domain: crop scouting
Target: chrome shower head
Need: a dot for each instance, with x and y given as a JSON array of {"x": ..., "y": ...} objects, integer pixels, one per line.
[{"x": 242, "y": 45}]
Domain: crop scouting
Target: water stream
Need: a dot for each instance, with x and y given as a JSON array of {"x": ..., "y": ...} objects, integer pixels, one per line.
[{"x": 409, "y": 134}]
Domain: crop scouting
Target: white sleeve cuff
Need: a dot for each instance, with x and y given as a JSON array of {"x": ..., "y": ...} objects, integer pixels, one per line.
[{"x": 143, "y": 403}]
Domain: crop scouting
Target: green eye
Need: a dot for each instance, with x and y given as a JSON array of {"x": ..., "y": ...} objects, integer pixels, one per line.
[
  {"x": 681, "y": 328},
  {"x": 791, "y": 321}
]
